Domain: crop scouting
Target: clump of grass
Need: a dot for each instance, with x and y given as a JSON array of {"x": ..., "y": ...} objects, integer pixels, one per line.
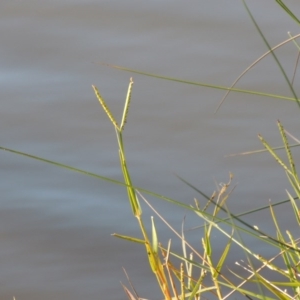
[
  {"x": 151, "y": 246},
  {"x": 199, "y": 273},
  {"x": 196, "y": 278}
]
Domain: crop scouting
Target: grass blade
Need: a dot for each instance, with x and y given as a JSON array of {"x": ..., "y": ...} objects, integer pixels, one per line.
[
  {"x": 287, "y": 149},
  {"x": 295, "y": 207},
  {"x": 280, "y": 2},
  {"x": 275, "y": 96},
  {"x": 129, "y": 238},
  {"x": 273, "y": 54},
  {"x": 270, "y": 149}
]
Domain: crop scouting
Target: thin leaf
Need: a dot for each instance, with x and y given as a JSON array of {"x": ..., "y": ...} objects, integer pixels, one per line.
[
  {"x": 270, "y": 149},
  {"x": 272, "y": 52},
  {"x": 196, "y": 289},
  {"x": 260, "y": 150},
  {"x": 287, "y": 149},
  {"x": 129, "y": 238},
  {"x": 269, "y": 239},
  {"x": 295, "y": 207},
  {"x": 280, "y": 2},
  {"x": 134, "y": 202},
  {"x": 276, "y": 225},
  {"x": 201, "y": 83},
  {"x": 223, "y": 256}
]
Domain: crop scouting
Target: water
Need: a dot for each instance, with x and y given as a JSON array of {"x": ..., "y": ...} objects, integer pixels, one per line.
[{"x": 55, "y": 224}]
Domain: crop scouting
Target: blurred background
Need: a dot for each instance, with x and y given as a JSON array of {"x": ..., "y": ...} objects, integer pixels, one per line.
[{"x": 56, "y": 225}]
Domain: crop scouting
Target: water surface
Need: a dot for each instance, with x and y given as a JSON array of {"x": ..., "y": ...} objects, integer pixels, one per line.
[{"x": 56, "y": 225}]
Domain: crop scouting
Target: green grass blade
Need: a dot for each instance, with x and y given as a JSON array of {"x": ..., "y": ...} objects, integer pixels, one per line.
[
  {"x": 129, "y": 238},
  {"x": 134, "y": 202},
  {"x": 64, "y": 166},
  {"x": 295, "y": 207},
  {"x": 253, "y": 211},
  {"x": 273, "y": 54},
  {"x": 270, "y": 149},
  {"x": 287, "y": 263},
  {"x": 279, "y": 234},
  {"x": 196, "y": 287},
  {"x": 261, "y": 150},
  {"x": 292, "y": 38},
  {"x": 183, "y": 246},
  {"x": 294, "y": 183},
  {"x": 206, "y": 242},
  {"x": 273, "y": 289},
  {"x": 269, "y": 239},
  {"x": 287, "y": 149},
  {"x": 280, "y": 2},
  {"x": 223, "y": 256},
  {"x": 202, "y": 84},
  {"x": 135, "y": 207},
  {"x": 158, "y": 196}
]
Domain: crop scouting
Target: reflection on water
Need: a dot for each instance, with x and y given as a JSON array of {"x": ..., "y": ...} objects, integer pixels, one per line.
[{"x": 56, "y": 225}]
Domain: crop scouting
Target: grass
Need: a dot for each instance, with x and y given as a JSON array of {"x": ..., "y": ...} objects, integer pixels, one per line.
[{"x": 200, "y": 273}]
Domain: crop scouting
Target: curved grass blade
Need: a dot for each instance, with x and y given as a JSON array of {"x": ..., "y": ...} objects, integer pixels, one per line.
[
  {"x": 297, "y": 59},
  {"x": 292, "y": 38}
]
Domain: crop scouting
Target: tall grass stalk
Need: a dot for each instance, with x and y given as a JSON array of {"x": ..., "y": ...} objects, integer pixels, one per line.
[{"x": 151, "y": 247}]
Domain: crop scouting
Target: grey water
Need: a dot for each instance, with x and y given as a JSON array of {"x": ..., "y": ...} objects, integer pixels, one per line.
[{"x": 55, "y": 224}]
